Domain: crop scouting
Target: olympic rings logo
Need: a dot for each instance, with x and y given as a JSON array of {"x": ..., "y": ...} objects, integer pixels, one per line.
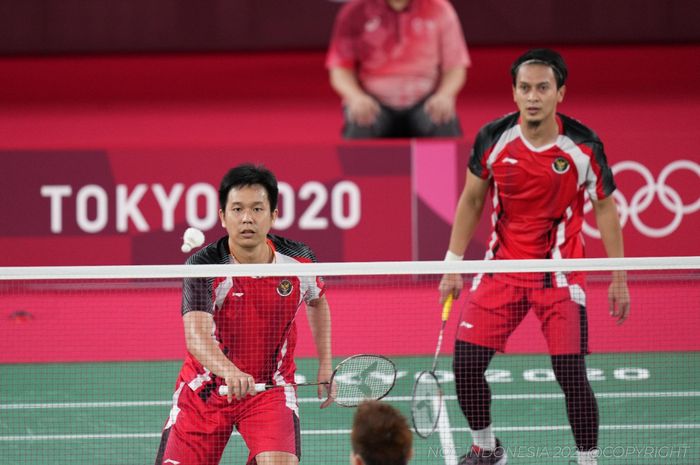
[{"x": 642, "y": 199}]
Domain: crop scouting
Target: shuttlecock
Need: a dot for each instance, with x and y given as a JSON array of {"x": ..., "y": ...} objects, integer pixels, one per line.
[{"x": 192, "y": 239}]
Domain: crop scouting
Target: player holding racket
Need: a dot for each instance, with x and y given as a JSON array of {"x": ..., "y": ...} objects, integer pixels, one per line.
[
  {"x": 241, "y": 331},
  {"x": 538, "y": 163}
]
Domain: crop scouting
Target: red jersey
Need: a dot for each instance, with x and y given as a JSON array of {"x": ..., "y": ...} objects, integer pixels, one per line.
[
  {"x": 253, "y": 316},
  {"x": 398, "y": 55},
  {"x": 538, "y": 193}
]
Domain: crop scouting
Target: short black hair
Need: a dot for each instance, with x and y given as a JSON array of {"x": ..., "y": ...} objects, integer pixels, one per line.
[
  {"x": 542, "y": 56},
  {"x": 248, "y": 174},
  {"x": 380, "y": 434}
]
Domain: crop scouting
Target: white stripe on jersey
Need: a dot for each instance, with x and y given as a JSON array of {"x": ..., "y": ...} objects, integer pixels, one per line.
[
  {"x": 200, "y": 379},
  {"x": 221, "y": 292},
  {"x": 506, "y": 138},
  {"x": 586, "y": 176},
  {"x": 577, "y": 294},
  {"x": 494, "y": 237},
  {"x": 560, "y": 277},
  {"x": 174, "y": 410},
  {"x": 289, "y": 392}
]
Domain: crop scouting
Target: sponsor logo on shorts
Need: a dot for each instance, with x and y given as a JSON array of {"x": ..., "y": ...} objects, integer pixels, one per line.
[
  {"x": 285, "y": 288},
  {"x": 174, "y": 462},
  {"x": 466, "y": 325},
  {"x": 560, "y": 165}
]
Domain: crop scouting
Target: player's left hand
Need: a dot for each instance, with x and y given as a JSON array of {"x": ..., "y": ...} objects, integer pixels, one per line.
[
  {"x": 440, "y": 108},
  {"x": 619, "y": 300},
  {"x": 325, "y": 390}
]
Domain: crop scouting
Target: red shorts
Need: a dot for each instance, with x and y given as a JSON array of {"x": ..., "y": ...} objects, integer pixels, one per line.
[
  {"x": 496, "y": 308},
  {"x": 197, "y": 431}
]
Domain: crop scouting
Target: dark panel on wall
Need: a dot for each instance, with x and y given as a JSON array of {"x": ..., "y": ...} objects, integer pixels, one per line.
[
  {"x": 103, "y": 26},
  {"x": 587, "y": 21},
  {"x": 98, "y": 26}
]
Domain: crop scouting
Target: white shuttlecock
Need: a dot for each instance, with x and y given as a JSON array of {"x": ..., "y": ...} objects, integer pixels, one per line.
[{"x": 192, "y": 239}]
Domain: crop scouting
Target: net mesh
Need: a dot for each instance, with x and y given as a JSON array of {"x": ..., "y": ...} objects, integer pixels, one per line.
[{"x": 91, "y": 360}]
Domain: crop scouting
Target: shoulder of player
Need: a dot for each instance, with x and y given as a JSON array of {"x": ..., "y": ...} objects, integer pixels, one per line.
[
  {"x": 489, "y": 133},
  {"x": 213, "y": 253},
  {"x": 578, "y": 132},
  {"x": 291, "y": 248}
]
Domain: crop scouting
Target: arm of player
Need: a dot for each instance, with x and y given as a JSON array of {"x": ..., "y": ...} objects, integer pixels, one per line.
[
  {"x": 362, "y": 108},
  {"x": 441, "y": 105},
  {"x": 319, "y": 316},
  {"x": 467, "y": 216},
  {"x": 608, "y": 223},
  {"x": 201, "y": 344}
]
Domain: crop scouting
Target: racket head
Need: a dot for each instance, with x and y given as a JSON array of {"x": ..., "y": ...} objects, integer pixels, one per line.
[
  {"x": 362, "y": 377},
  {"x": 426, "y": 403}
]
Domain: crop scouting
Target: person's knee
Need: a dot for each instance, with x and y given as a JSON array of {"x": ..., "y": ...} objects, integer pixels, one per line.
[
  {"x": 383, "y": 126},
  {"x": 275, "y": 458},
  {"x": 422, "y": 125},
  {"x": 570, "y": 372},
  {"x": 470, "y": 360}
]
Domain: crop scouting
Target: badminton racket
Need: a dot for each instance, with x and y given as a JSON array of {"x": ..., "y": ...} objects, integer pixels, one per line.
[
  {"x": 355, "y": 379},
  {"x": 426, "y": 401}
]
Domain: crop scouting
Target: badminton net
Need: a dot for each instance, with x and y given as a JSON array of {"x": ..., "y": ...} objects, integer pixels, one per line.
[{"x": 90, "y": 358}]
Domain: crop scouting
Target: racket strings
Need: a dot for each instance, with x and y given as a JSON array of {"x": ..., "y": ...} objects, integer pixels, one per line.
[
  {"x": 426, "y": 404},
  {"x": 363, "y": 377}
]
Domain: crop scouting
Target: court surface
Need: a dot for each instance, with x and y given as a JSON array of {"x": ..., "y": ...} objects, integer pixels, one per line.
[{"x": 112, "y": 413}]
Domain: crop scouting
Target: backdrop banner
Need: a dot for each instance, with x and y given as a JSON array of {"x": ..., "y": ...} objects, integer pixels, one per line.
[{"x": 371, "y": 201}]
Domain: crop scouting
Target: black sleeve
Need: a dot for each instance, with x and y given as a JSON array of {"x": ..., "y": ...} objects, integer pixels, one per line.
[
  {"x": 485, "y": 140},
  {"x": 607, "y": 182},
  {"x": 197, "y": 293},
  {"x": 585, "y": 136}
]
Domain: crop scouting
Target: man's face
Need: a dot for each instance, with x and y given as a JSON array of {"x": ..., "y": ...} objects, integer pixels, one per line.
[
  {"x": 536, "y": 94},
  {"x": 247, "y": 217}
]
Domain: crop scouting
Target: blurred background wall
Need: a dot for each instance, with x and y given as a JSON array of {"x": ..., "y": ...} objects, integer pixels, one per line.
[
  {"x": 100, "y": 26},
  {"x": 104, "y": 105}
]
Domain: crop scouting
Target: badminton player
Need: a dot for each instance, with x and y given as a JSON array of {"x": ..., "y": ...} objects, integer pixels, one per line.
[
  {"x": 538, "y": 164},
  {"x": 241, "y": 331}
]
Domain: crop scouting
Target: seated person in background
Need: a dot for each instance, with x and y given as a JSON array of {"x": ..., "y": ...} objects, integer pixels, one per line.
[
  {"x": 398, "y": 66},
  {"x": 380, "y": 435}
]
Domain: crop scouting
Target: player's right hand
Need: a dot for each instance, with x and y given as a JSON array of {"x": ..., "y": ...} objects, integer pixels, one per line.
[
  {"x": 240, "y": 384},
  {"x": 450, "y": 284},
  {"x": 362, "y": 110}
]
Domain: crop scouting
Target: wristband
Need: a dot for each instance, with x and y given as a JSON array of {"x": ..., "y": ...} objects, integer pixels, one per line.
[{"x": 452, "y": 257}]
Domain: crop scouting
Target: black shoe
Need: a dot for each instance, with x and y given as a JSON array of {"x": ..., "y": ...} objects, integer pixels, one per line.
[{"x": 478, "y": 456}]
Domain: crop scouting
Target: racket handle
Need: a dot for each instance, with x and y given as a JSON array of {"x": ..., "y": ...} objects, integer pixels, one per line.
[
  {"x": 259, "y": 387},
  {"x": 447, "y": 308}
]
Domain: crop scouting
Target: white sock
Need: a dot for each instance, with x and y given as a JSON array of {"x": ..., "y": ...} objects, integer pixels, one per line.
[
  {"x": 589, "y": 457},
  {"x": 484, "y": 438}
]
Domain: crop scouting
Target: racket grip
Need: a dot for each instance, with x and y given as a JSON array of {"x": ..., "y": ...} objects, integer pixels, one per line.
[
  {"x": 259, "y": 387},
  {"x": 447, "y": 308}
]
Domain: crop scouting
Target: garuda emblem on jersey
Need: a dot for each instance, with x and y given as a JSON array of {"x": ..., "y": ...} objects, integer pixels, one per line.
[
  {"x": 560, "y": 165},
  {"x": 285, "y": 288}
]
